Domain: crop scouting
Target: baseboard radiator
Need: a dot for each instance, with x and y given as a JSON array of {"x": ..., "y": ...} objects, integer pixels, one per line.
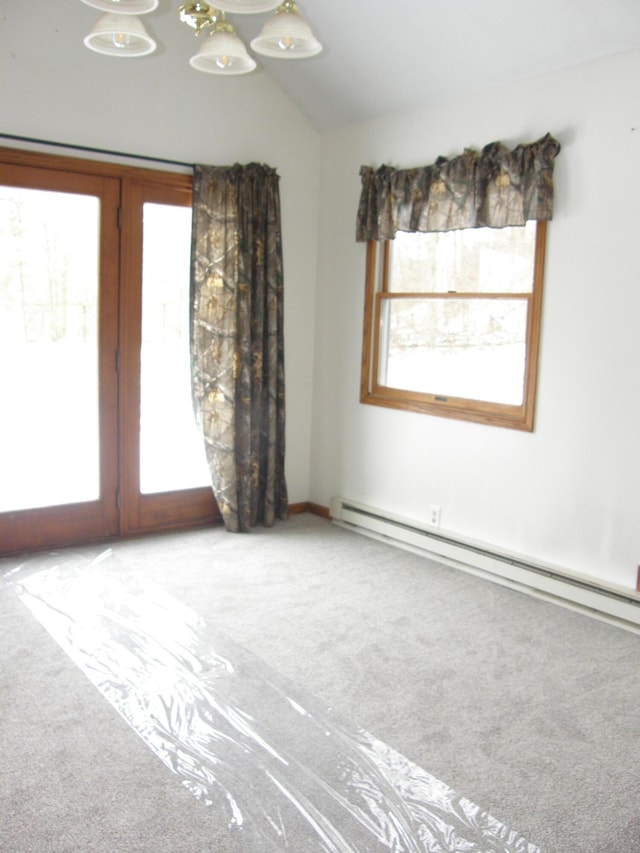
[{"x": 580, "y": 592}]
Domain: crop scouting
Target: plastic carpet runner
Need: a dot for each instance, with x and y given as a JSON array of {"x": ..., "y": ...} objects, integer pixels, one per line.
[{"x": 278, "y": 768}]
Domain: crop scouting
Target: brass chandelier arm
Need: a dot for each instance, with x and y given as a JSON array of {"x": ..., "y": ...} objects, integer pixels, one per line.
[{"x": 199, "y": 16}]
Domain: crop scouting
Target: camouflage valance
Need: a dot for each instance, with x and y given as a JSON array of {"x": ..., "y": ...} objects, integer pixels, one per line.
[{"x": 495, "y": 187}]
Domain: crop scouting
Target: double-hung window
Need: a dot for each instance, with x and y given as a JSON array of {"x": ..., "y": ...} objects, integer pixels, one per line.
[
  {"x": 452, "y": 323},
  {"x": 454, "y": 274}
]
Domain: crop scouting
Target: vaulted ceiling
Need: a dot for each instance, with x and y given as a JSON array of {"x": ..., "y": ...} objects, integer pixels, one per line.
[
  {"x": 383, "y": 56},
  {"x": 378, "y": 56}
]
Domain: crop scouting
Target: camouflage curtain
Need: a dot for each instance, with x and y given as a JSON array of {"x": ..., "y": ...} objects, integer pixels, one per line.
[
  {"x": 237, "y": 347},
  {"x": 495, "y": 188}
]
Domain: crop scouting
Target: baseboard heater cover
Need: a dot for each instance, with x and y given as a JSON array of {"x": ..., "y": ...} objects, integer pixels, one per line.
[{"x": 567, "y": 588}]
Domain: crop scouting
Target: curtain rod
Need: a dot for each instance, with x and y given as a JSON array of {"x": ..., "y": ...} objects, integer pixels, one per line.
[{"x": 95, "y": 150}]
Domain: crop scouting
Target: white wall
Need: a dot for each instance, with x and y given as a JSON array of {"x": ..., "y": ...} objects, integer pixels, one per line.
[
  {"x": 568, "y": 493},
  {"x": 52, "y": 87}
]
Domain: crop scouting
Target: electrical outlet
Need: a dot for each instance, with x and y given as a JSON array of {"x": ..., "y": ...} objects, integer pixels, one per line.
[{"x": 434, "y": 515}]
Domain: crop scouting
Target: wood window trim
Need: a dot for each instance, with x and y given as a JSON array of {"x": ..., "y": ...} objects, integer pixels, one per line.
[{"x": 495, "y": 414}]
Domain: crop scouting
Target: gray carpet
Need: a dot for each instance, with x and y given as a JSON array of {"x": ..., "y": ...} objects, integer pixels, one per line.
[{"x": 528, "y": 709}]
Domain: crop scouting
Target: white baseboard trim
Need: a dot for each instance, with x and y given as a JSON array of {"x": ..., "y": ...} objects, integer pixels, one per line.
[{"x": 608, "y": 602}]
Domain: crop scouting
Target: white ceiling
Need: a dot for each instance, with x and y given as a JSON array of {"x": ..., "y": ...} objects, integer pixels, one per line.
[
  {"x": 382, "y": 56},
  {"x": 378, "y": 56}
]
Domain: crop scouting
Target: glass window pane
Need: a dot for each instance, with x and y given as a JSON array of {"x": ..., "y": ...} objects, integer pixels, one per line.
[
  {"x": 49, "y": 440},
  {"x": 480, "y": 260},
  {"x": 171, "y": 448},
  {"x": 469, "y": 348}
]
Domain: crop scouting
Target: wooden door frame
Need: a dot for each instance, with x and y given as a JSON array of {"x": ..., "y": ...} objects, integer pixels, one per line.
[{"x": 119, "y": 514}]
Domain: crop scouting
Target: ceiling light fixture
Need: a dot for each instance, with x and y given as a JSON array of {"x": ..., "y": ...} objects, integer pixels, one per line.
[
  {"x": 284, "y": 36},
  {"x": 222, "y": 52},
  {"x": 120, "y": 35},
  {"x": 125, "y": 7},
  {"x": 287, "y": 35},
  {"x": 248, "y": 7}
]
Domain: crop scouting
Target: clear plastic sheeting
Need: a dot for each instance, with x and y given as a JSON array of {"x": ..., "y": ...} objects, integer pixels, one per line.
[{"x": 280, "y": 770}]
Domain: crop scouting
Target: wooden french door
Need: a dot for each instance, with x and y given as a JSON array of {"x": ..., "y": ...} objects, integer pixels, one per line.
[
  {"x": 96, "y": 434},
  {"x": 164, "y": 481}
]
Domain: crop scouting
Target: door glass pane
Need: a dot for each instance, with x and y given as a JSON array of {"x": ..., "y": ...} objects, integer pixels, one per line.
[
  {"x": 49, "y": 441},
  {"x": 470, "y": 348},
  {"x": 171, "y": 449}
]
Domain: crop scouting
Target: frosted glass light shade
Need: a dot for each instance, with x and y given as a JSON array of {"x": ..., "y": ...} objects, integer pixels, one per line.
[
  {"x": 286, "y": 36},
  {"x": 223, "y": 53},
  {"x": 247, "y": 7},
  {"x": 120, "y": 35},
  {"x": 124, "y": 7}
]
